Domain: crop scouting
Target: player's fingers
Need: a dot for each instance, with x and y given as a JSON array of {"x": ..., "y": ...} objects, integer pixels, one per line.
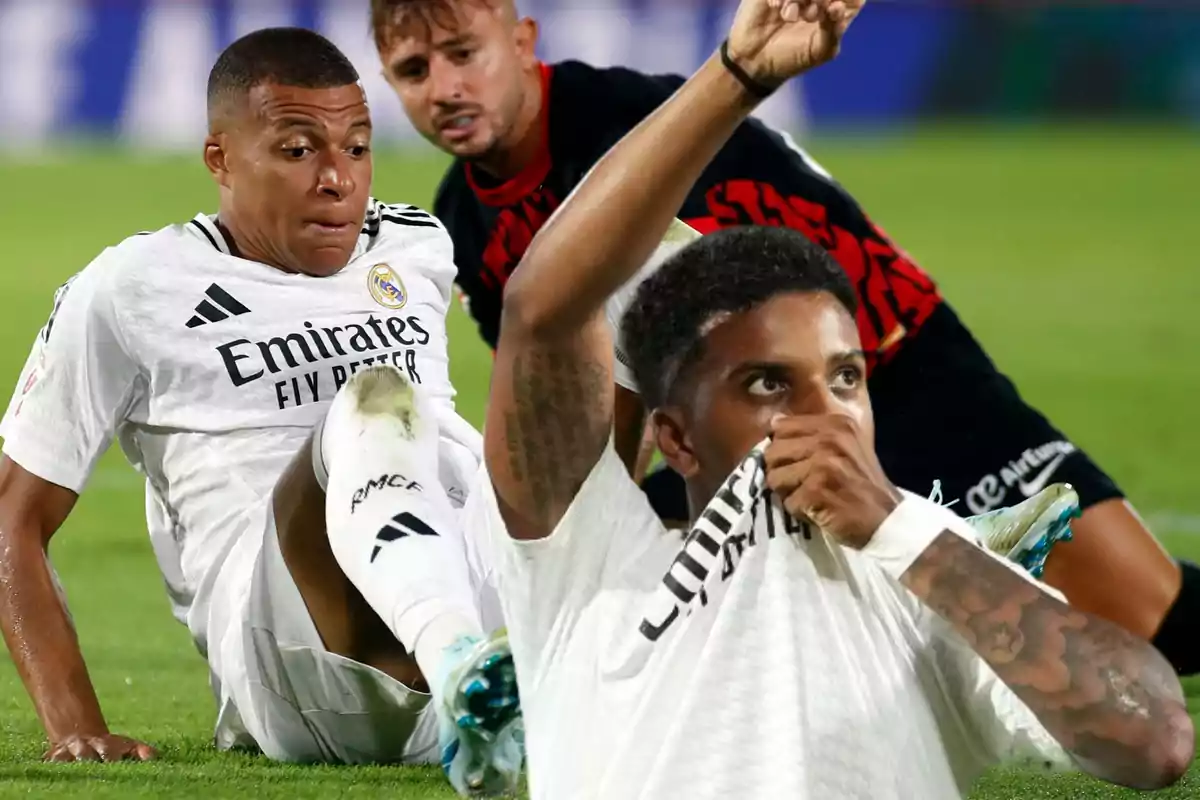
[
  {"x": 849, "y": 12},
  {"x": 790, "y": 450},
  {"x": 787, "y": 478},
  {"x": 801, "y": 504},
  {"x": 107, "y": 749},
  {"x": 833, "y": 423},
  {"x": 795, "y": 425},
  {"x": 115, "y": 748},
  {"x": 82, "y": 750},
  {"x": 144, "y": 752},
  {"x": 58, "y": 753}
]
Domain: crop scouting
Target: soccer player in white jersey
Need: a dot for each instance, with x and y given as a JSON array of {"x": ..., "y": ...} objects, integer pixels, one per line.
[
  {"x": 210, "y": 350},
  {"x": 819, "y": 634}
]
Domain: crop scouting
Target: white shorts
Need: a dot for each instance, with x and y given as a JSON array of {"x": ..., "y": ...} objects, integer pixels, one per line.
[{"x": 280, "y": 691}]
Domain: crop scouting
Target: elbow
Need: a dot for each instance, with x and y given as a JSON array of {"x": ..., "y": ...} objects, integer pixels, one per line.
[
  {"x": 1159, "y": 762},
  {"x": 527, "y": 312},
  {"x": 1171, "y": 753}
]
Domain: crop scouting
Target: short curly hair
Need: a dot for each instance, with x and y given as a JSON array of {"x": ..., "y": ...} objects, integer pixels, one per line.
[{"x": 729, "y": 271}]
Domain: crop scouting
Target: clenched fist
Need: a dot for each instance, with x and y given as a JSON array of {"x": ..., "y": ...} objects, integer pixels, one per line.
[
  {"x": 773, "y": 40},
  {"x": 824, "y": 472}
]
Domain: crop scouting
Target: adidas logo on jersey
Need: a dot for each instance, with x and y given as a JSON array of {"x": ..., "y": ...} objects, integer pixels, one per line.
[{"x": 217, "y": 305}]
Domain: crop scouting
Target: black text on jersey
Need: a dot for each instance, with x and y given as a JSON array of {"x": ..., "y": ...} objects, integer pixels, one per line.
[{"x": 381, "y": 340}]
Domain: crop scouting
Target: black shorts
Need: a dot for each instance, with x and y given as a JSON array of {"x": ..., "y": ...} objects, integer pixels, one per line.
[{"x": 944, "y": 412}]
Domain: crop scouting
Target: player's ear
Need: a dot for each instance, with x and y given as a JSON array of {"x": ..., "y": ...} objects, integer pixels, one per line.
[
  {"x": 670, "y": 434},
  {"x": 215, "y": 158},
  {"x": 525, "y": 36}
]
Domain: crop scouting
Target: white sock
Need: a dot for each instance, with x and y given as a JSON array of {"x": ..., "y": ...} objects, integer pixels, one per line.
[{"x": 391, "y": 526}]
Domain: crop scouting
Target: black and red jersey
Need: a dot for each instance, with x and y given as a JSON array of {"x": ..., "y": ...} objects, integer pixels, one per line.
[{"x": 760, "y": 177}]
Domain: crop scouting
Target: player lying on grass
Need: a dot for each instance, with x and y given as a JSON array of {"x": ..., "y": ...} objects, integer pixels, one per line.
[
  {"x": 525, "y": 133},
  {"x": 210, "y": 350},
  {"x": 820, "y": 633}
]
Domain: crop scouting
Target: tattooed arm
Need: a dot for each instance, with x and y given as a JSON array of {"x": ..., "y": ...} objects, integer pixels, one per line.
[
  {"x": 1110, "y": 699},
  {"x": 550, "y": 411}
]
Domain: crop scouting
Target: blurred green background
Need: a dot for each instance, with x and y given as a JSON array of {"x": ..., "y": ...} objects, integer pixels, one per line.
[
  {"x": 1064, "y": 248},
  {"x": 1039, "y": 161}
]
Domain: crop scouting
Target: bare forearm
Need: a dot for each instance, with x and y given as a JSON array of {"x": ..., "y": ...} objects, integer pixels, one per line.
[
  {"x": 1108, "y": 697},
  {"x": 616, "y": 217},
  {"x": 41, "y": 639}
]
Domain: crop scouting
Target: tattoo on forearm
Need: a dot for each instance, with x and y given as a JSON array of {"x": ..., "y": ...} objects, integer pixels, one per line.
[
  {"x": 1102, "y": 692},
  {"x": 558, "y": 424}
]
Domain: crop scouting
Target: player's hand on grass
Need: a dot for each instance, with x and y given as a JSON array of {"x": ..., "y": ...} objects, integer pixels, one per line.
[
  {"x": 104, "y": 747},
  {"x": 773, "y": 40},
  {"x": 825, "y": 472}
]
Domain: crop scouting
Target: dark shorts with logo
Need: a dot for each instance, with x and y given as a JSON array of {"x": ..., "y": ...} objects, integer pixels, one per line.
[{"x": 944, "y": 412}]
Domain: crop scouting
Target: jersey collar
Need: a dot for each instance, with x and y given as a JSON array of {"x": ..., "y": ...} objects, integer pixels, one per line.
[{"x": 205, "y": 227}]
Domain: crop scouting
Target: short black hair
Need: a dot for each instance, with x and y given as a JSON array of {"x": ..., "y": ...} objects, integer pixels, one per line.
[
  {"x": 287, "y": 56},
  {"x": 728, "y": 271}
]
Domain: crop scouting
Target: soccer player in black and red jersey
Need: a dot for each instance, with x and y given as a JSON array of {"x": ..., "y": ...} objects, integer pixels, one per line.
[{"x": 524, "y": 133}]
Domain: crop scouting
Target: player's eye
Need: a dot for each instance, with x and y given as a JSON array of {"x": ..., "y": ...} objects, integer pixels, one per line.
[
  {"x": 358, "y": 150},
  {"x": 411, "y": 71},
  {"x": 847, "y": 378},
  {"x": 296, "y": 151},
  {"x": 764, "y": 386},
  {"x": 462, "y": 55}
]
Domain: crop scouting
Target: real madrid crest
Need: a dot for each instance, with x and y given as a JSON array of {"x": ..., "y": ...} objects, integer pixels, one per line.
[{"x": 385, "y": 286}]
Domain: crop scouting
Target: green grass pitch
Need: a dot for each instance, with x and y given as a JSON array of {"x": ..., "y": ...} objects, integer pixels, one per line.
[{"x": 1066, "y": 250}]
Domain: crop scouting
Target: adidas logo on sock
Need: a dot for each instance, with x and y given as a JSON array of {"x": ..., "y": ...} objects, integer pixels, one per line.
[
  {"x": 402, "y": 525},
  {"x": 219, "y": 305}
]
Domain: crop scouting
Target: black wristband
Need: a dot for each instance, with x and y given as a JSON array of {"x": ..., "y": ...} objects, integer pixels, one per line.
[{"x": 759, "y": 90}]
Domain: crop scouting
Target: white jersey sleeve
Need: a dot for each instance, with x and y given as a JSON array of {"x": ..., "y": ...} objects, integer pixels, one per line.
[
  {"x": 677, "y": 237},
  {"x": 547, "y": 586},
  {"x": 77, "y": 384}
]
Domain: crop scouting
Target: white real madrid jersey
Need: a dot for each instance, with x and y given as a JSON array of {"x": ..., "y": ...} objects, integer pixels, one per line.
[
  {"x": 211, "y": 371},
  {"x": 757, "y": 659}
]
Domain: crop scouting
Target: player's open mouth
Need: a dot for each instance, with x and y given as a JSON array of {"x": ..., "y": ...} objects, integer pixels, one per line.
[{"x": 458, "y": 127}]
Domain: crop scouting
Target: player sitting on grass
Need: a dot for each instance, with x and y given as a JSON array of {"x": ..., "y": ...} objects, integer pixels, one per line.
[
  {"x": 819, "y": 633},
  {"x": 324, "y": 576},
  {"x": 524, "y": 133}
]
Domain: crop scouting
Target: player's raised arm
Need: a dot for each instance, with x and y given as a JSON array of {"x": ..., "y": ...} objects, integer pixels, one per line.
[
  {"x": 72, "y": 394},
  {"x": 550, "y": 411}
]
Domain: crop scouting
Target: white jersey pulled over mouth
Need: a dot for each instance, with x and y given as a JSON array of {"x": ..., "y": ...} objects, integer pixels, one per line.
[{"x": 756, "y": 658}]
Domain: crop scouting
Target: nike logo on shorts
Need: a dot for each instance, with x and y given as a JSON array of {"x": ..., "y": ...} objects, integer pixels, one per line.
[{"x": 1031, "y": 487}]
